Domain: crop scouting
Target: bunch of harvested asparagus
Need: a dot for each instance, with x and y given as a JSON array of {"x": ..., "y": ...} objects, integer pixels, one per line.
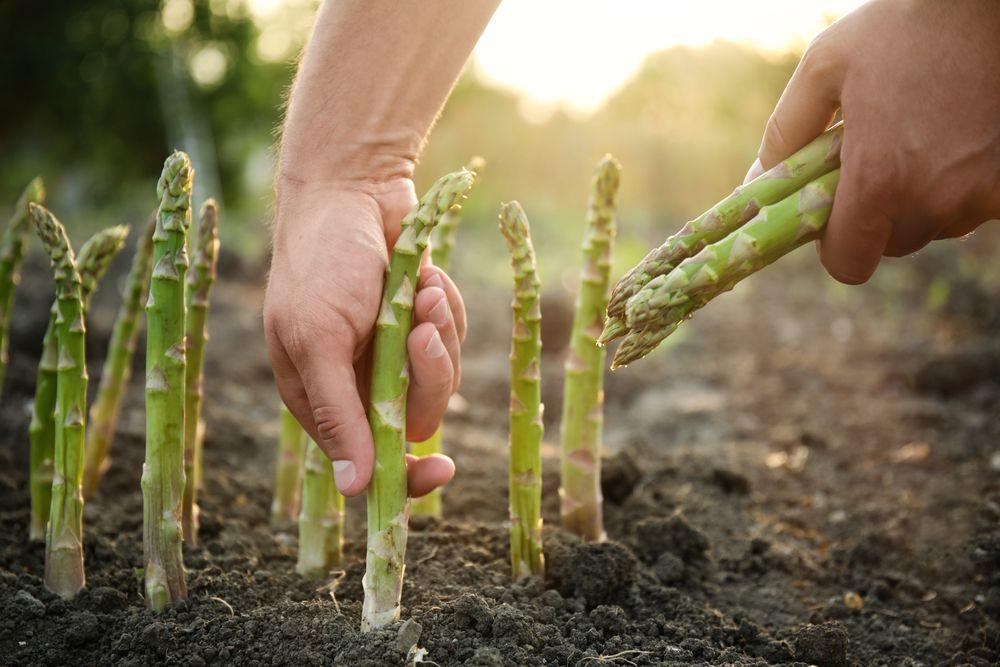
[{"x": 761, "y": 221}]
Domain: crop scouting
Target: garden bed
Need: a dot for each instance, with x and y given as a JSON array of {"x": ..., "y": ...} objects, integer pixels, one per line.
[{"x": 804, "y": 477}]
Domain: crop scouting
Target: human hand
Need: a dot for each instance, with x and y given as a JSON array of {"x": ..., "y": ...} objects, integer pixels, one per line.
[
  {"x": 331, "y": 247},
  {"x": 917, "y": 84}
]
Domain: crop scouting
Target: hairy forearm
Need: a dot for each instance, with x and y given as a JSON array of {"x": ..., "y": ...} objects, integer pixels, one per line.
[{"x": 373, "y": 78}]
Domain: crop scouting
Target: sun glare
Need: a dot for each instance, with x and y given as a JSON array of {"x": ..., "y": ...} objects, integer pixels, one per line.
[{"x": 574, "y": 53}]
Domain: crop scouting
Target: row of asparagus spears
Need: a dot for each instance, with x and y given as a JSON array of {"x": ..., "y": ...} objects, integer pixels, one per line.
[
  {"x": 758, "y": 223},
  {"x": 68, "y": 448}
]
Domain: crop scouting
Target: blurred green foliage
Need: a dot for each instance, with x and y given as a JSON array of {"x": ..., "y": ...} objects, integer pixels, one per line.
[
  {"x": 98, "y": 92},
  {"x": 88, "y": 87}
]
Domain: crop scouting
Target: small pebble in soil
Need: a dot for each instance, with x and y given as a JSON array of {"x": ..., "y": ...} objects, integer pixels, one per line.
[
  {"x": 823, "y": 645},
  {"x": 408, "y": 635},
  {"x": 853, "y": 601}
]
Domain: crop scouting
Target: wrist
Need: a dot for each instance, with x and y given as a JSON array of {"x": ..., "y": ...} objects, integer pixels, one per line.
[{"x": 352, "y": 159}]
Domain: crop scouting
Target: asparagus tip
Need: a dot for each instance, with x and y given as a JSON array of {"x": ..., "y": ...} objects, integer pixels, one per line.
[
  {"x": 513, "y": 223},
  {"x": 50, "y": 231},
  {"x": 608, "y": 173},
  {"x": 177, "y": 175},
  {"x": 614, "y": 328}
]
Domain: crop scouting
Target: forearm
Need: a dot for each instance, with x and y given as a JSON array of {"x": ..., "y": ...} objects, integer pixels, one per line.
[{"x": 373, "y": 78}]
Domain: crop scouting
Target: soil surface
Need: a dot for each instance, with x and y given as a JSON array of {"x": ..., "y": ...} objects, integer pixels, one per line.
[{"x": 809, "y": 475}]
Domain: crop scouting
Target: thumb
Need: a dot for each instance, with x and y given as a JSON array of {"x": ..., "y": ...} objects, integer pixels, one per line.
[
  {"x": 338, "y": 420},
  {"x": 805, "y": 109}
]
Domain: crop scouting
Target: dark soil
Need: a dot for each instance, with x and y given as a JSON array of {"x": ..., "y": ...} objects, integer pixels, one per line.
[{"x": 810, "y": 475}]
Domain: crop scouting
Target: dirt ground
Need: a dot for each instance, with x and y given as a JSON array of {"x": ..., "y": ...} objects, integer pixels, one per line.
[{"x": 810, "y": 475}]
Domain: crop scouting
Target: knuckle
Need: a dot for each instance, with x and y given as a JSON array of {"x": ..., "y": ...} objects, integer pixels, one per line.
[
  {"x": 820, "y": 57},
  {"x": 775, "y": 144},
  {"x": 332, "y": 424}
]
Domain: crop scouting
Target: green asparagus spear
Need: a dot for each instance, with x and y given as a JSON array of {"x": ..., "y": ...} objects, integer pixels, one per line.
[
  {"x": 583, "y": 396},
  {"x": 656, "y": 310},
  {"x": 117, "y": 365},
  {"x": 288, "y": 479},
  {"x": 526, "y": 429},
  {"x": 388, "y": 508},
  {"x": 321, "y": 521},
  {"x": 94, "y": 258},
  {"x": 430, "y": 504},
  {"x": 199, "y": 283},
  {"x": 442, "y": 243},
  {"x": 42, "y": 432},
  {"x": 817, "y": 158},
  {"x": 11, "y": 253},
  {"x": 163, "y": 471},
  {"x": 443, "y": 236},
  {"x": 64, "y": 574}
]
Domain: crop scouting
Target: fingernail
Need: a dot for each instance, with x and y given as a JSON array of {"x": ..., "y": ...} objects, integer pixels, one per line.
[
  {"x": 434, "y": 347},
  {"x": 439, "y": 314},
  {"x": 344, "y": 474},
  {"x": 434, "y": 281},
  {"x": 756, "y": 169}
]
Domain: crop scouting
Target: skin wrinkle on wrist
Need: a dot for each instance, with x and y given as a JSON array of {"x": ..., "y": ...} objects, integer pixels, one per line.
[{"x": 363, "y": 163}]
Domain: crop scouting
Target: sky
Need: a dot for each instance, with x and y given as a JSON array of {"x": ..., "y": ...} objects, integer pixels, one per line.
[{"x": 575, "y": 53}]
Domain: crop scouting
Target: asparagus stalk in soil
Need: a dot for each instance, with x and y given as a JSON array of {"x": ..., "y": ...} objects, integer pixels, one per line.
[
  {"x": 666, "y": 301},
  {"x": 200, "y": 278},
  {"x": 442, "y": 243},
  {"x": 117, "y": 366},
  {"x": 817, "y": 158},
  {"x": 11, "y": 254},
  {"x": 64, "y": 574},
  {"x": 163, "y": 470},
  {"x": 321, "y": 520},
  {"x": 94, "y": 258},
  {"x": 388, "y": 508},
  {"x": 583, "y": 396},
  {"x": 288, "y": 478},
  {"x": 525, "y": 493}
]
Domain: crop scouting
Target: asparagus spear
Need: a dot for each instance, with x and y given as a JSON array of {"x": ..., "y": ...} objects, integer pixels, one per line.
[
  {"x": 94, "y": 258},
  {"x": 11, "y": 253},
  {"x": 117, "y": 365},
  {"x": 288, "y": 479},
  {"x": 163, "y": 471},
  {"x": 443, "y": 236},
  {"x": 388, "y": 509},
  {"x": 442, "y": 243},
  {"x": 321, "y": 521},
  {"x": 583, "y": 396},
  {"x": 64, "y": 574},
  {"x": 656, "y": 310},
  {"x": 525, "y": 493},
  {"x": 430, "y": 504},
  {"x": 817, "y": 158},
  {"x": 199, "y": 284}
]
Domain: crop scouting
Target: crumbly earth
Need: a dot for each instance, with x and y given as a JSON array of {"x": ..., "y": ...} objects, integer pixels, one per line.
[{"x": 809, "y": 475}]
